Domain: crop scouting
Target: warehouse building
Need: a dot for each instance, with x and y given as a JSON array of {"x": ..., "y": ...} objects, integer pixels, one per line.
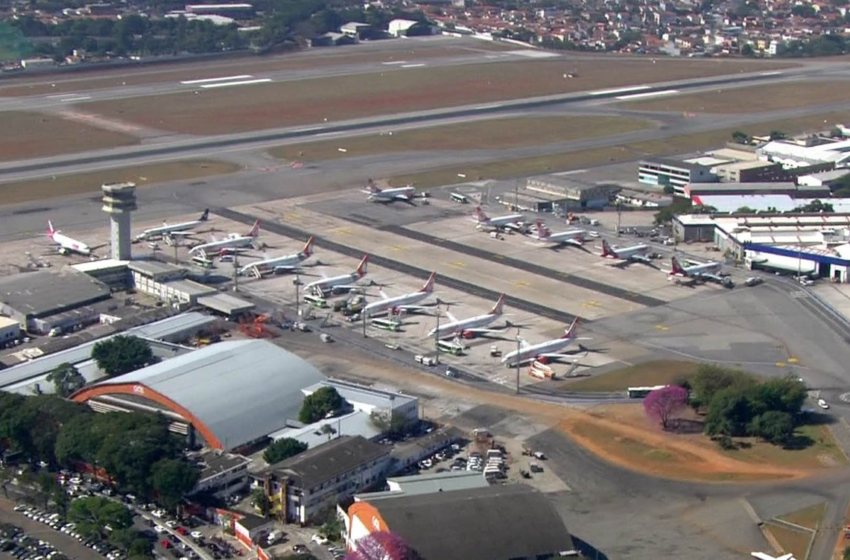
[
  {"x": 221, "y": 474},
  {"x": 489, "y": 523},
  {"x": 167, "y": 283},
  {"x": 228, "y": 395},
  {"x": 372, "y": 401},
  {"x": 569, "y": 194},
  {"x": 664, "y": 172},
  {"x": 790, "y": 154},
  {"x": 225, "y": 305},
  {"x": 113, "y": 273},
  {"x": 10, "y": 332},
  {"x": 749, "y": 171},
  {"x": 829, "y": 179},
  {"x": 312, "y": 483},
  {"x": 726, "y": 189},
  {"x": 45, "y": 300},
  {"x": 356, "y": 423}
]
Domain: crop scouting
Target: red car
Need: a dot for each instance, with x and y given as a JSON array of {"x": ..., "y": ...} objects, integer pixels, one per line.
[
  {"x": 181, "y": 530},
  {"x": 165, "y": 543}
]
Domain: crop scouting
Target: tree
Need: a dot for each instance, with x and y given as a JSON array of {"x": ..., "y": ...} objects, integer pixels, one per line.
[
  {"x": 815, "y": 207},
  {"x": 711, "y": 379},
  {"x": 773, "y": 426},
  {"x": 261, "y": 501},
  {"x": 662, "y": 405},
  {"x": 92, "y": 514},
  {"x": 283, "y": 449},
  {"x": 777, "y": 135},
  {"x": 392, "y": 424},
  {"x": 140, "y": 548},
  {"x": 747, "y": 50},
  {"x": 729, "y": 414},
  {"x": 66, "y": 379},
  {"x": 740, "y": 137},
  {"x": 122, "y": 354},
  {"x": 321, "y": 403},
  {"x": 173, "y": 479},
  {"x": 745, "y": 210},
  {"x": 383, "y": 546}
]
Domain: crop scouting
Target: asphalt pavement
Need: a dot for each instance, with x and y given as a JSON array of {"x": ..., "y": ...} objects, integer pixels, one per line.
[{"x": 62, "y": 542}]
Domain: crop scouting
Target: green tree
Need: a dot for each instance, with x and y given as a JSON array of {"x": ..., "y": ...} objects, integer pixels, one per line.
[
  {"x": 122, "y": 354},
  {"x": 321, "y": 403},
  {"x": 773, "y": 426},
  {"x": 729, "y": 414},
  {"x": 31, "y": 424},
  {"x": 815, "y": 207},
  {"x": 745, "y": 210},
  {"x": 261, "y": 501},
  {"x": 173, "y": 479},
  {"x": 747, "y": 50},
  {"x": 66, "y": 379},
  {"x": 283, "y": 449},
  {"x": 740, "y": 137},
  {"x": 711, "y": 379},
  {"x": 140, "y": 549},
  {"x": 393, "y": 425},
  {"x": 93, "y": 514}
]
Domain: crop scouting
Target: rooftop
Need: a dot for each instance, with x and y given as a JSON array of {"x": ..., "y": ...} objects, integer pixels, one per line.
[
  {"x": 415, "y": 448},
  {"x": 674, "y": 163},
  {"x": 492, "y": 523},
  {"x": 154, "y": 268},
  {"x": 48, "y": 292},
  {"x": 361, "y": 394},
  {"x": 225, "y": 303},
  {"x": 172, "y": 325},
  {"x": 743, "y": 165},
  {"x": 215, "y": 463},
  {"x": 7, "y": 322},
  {"x": 238, "y": 391},
  {"x": 329, "y": 460},
  {"x": 357, "y": 423},
  {"x": 449, "y": 481},
  {"x": 102, "y": 264},
  {"x": 189, "y": 287}
]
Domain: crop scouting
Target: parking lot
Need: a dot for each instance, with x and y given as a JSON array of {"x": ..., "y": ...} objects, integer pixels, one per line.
[{"x": 29, "y": 538}]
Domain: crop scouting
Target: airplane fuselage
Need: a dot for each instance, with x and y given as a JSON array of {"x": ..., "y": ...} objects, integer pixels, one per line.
[
  {"x": 393, "y": 194},
  {"x": 286, "y": 261},
  {"x": 68, "y": 245},
  {"x": 501, "y": 221},
  {"x": 390, "y": 303},
  {"x": 535, "y": 350},
  {"x": 214, "y": 246},
  {"x": 458, "y": 327},
  {"x": 699, "y": 269},
  {"x": 328, "y": 283},
  {"x": 165, "y": 230}
]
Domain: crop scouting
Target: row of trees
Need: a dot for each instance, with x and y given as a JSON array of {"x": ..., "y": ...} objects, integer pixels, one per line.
[
  {"x": 734, "y": 403},
  {"x": 111, "y": 522}
]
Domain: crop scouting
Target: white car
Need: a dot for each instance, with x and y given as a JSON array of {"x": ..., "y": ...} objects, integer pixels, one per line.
[
  {"x": 319, "y": 539},
  {"x": 159, "y": 528},
  {"x": 822, "y": 403},
  {"x": 197, "y": 535},
  {"x": 171, "y": 524}
]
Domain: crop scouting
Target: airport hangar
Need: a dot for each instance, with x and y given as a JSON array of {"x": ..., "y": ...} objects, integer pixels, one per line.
[
  {"x": 227, "y": 396},
  {"x": 816, "y": 245}
]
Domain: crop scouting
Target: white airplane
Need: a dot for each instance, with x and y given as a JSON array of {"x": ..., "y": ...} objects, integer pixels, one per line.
[
  {"x": 570, "y": 237},
  {"x": 763, "y": 556},
  {"x": 511, "y": 221},
  {"x": 404, "y": 194},
  {"x": 401, "y": 303},
  {"x": 343, "y": 281},
  {"x": 286, "y": 263},
  {"x": 229, "y": 243},
  {"x": 543, "y": 351},
  {"x": 698, "y": 271},
  {"x": 175, "y": 229},
  {"x": 635, "y": 253},
  {"x": 66, "y": 244},
  {"x": 468, "y": 328}
]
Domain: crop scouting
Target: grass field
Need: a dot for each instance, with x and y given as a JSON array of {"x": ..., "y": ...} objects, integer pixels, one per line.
[
  {"x": 813, "y": 447},
  {"x": 682, "y": 144},
  {"x": 810, "y": 517},
  {"x": 475, "y": 135},
  {"x": 795, "y": 542},
  {"x": 133, "y": 76},
  {"x": 769, "y": 98},
  {"x": 262, "y": 106},
  {"x": 641, "y": 375},
  {"x": 40, "y": 135},
  {"x": 66, "y": 185}
]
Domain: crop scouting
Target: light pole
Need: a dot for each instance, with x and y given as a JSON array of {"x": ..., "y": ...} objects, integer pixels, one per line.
[
  {"x": 363, "y": 320},
  {"x": 297, "y": 284},
  {"x": 437, "y": 333},
  {"x": 236, "y": 271},
  {"x": 518, "y": 360}
]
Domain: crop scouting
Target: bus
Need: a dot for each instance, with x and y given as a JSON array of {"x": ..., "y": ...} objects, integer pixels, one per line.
[
  {"x": 316, "y": 301},
  {"x": 387, "y": 324},
  {"x": 202, "y": 261},
  {"x": 459, "y": 198},
  {"x": 452, "y": 348},
  {"x": 641, "y": 392}
]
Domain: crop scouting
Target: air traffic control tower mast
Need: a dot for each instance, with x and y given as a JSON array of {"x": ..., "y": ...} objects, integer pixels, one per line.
[{"x": 119, "y": 201}]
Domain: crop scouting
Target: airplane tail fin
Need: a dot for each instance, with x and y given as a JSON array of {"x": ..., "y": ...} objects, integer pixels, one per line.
[
  {"x": 205, "y": 216},
  {"x": 50, "y": 230},
  {"x": 606, "y": 249},
  {"x": 542, "y": 231},
  {"x": 370, "y": 185},
  {"x": 361, "y": 268},
  {"x": 429, "y": 285},
  {"x": 571, "y": 332},
  {"x": 480, "y": 215},
  {"x": 255, "y": 230},
  {"x": 677, "y": 267},
  {"x": 308, "y": 247},
  {"x": 497, "y": 309}
]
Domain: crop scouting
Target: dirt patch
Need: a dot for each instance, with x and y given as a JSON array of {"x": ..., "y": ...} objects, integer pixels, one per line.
[
  {"x": 477, "y": 135},
  {"x": 791, "y": 540},
  {"x": 809, "y": 517},
  {"x": 580, "y": 159},
  {"x": 142, "y": 175},
  {"x": 270, "y": 105},
  {"x": 647, "y": 374},
  {"x": 770, "y": 98},
  {"x": 130, "y": 76},
  {"x": 32, "y": 135}
]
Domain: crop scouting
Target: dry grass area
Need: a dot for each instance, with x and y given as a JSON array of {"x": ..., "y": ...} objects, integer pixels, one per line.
[
  {"x": 683, "y": 144},
  {"x": 476, "y": 135},
  {"x": 765, "y": 98},
  {"x": 812, "y": 447},
  {"x": 795, "y": 542},
  {"x": 270, "y": 105},
  {"x": 30, "y": 135},
  {"x": 66, "y": 185},
  {"x": 809, "y": 517},
  {"x": 647, "y": 374},
  {"x": 134, "y": 76}
]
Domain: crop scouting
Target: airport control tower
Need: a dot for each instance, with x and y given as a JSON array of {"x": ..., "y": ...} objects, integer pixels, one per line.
[{"x": 119, "y": 201}]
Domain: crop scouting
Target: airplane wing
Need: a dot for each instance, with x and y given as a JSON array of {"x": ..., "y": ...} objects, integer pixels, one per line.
[
  {"x": 450, "y": 316},
  {"x": 415, "y": 307},
  {"x": 180, "y": 233},
  {"x": 764, "y": 556},
  {"x": 286, "y": 268},
  {"x": 556, "y": 356},
  {"x": 572, "y": 241},
  {"x": 402, "y": 197},
  {"x": 641, "y": 259}
]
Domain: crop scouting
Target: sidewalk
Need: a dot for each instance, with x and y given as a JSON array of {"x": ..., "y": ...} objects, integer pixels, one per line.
[{"x": 835, "y": 295}]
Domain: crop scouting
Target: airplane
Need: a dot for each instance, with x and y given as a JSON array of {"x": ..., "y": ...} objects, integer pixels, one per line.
[
  {"x": 500, "y": 223},
  {"x": 232, "y": 241},
  {"x": 635, "y": 253},
  {"x": 343, "y": 281},
  {"x": 468, "y": 328},
  {"x": 401, "y": 303},
  {"x": 66, "y": 244},
  {"x": 705, "y": 271},
  {"x": 570, "y": 237},
  {"x": 543, "y": 351},
  {"x": 171, "y": 230},
  {"x": 287, "y": 263},
  {"x": 404, "y": 194},
  {"x": 763, "y": 556}
]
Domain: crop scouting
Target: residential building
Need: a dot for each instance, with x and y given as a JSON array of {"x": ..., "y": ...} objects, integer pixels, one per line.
[{"x": 222, "y": 474}]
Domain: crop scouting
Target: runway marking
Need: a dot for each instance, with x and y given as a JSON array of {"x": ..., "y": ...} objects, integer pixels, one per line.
[
  {"x": 533, "y": 53},
  {"x": 242, "y": 83},
  {"x": 498, "y": 257},
  {"x": 770, "y": 73},
  {"x": 618, "y": 90},
  {"x": 845, "y": 397},
  {"x": 412, "y": 65},
  {"x": 793, "y": 360},
  {"x": 781, "y": 364},
  {"x": 645, "y": 95},
  {"x": 398, "y": 248},
  {"x": 343, "y": 231},
  {"x": 522, "y": 284},
  {"x": 394, "y": 62},
  {"x": 82, "y": 98},
  {"x": 458, "y": 264},
  {"x": 662, "y": 328},
  {"x": 61, "y": 95},
  {"x": 591, "y": 304},
  {"x": 211, "y": 80}
]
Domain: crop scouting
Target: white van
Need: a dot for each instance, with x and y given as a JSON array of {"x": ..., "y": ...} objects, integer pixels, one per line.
[{"x": 459, "y": 198}]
